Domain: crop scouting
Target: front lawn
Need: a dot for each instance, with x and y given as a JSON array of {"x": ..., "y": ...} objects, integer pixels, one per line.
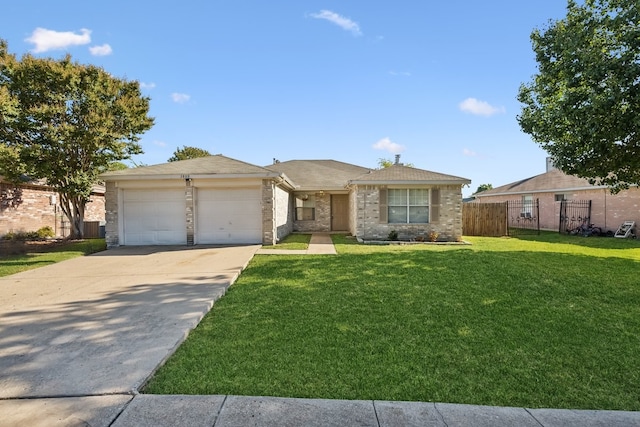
[
  {"x": 11, "y": 262},
  {"x": 539, "y": 321}
]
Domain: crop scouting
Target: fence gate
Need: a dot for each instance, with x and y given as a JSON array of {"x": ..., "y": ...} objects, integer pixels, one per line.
[
  {"x": 484, "y": 219},
  {"x": 523, "y": 216},
  {"x": 574, "y": 213}
]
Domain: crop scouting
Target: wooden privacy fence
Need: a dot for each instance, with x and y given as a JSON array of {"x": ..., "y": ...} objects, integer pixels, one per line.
[{"x": 484, "y": 219}]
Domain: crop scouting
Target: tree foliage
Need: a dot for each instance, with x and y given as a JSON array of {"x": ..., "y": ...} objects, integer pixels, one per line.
[
  {"x": 387, "y": 163},
  {"x": 583, "y": 105},
  {"x": 483, "y": 187},
  {"x": 187, "y": 152},
  {"x": 66, "y": 122}
]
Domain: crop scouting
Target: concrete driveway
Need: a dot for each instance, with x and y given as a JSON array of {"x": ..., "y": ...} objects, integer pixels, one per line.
[{"x": 99, "y": 325}]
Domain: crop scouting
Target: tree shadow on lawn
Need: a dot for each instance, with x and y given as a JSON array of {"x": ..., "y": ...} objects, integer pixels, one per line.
[{"x": 507, "y": 328}]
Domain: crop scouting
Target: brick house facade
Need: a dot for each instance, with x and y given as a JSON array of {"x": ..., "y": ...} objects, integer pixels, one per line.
[
  {"x": 29, "y": 207},
  {"x": 218, "y": 200},
  {"x": 608, "y": 211}
]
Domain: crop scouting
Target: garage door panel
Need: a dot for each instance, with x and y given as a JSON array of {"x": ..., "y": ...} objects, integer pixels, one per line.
[
  {"x": 154, "y": 217},
  {"x": 226, "y": 216}
]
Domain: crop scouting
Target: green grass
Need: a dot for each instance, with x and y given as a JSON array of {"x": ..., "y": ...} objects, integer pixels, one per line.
[
  {"x": 292, "y": 242},
  {"x": 16, "y": 263},
  {"x": 537, "y": 321}
]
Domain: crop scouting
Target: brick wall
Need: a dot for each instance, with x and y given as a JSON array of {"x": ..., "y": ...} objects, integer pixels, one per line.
[
  {"x": 111, "y": 214},
  {"x": 322, "y": 222},
  {"x": 448, "y": 225},
  {"x": 608, "y": 210},
  {"x": 28, "y": 208},
  {"x": 284, "y": 213}
]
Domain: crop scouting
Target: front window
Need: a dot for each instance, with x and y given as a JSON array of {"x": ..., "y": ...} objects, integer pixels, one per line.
[
  {"x": 305, "y": 207},
  {"x": 408, "y": 205}
]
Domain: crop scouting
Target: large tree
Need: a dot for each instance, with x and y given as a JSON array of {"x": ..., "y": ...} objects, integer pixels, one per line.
[
  {"x": 66, "y": 123},
  {"x": 583, "y": 105},
  {"x": 187, "y": 152}
]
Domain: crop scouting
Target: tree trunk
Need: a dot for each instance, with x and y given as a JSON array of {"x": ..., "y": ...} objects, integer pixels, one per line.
[{"x": 73, "y": 209}]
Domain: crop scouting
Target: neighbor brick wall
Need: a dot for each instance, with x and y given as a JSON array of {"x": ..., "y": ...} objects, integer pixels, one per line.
[
  {"x": 608, "y": 210},
  {"x": 448, "y": 225},
  {"x": 26, "y": 208}
]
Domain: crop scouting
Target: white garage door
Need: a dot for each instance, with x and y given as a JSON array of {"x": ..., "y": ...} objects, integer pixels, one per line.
[
  {"x": 228, "y": 216},
  {"x": 154, "y": 217}
]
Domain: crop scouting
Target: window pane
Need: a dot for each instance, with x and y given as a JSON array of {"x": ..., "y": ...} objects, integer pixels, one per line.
[
  {"x": 397, "y": 214},
  {"x": 419, "y": 214},
  {"x": 305, "y": 214},
  {"x": 419, "y": 197},
  {"x": 397, "y": 197},
  {"x": 306, "y": 201}
]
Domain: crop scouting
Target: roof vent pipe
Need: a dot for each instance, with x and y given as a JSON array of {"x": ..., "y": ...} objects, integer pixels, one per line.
[{"x": 397, "y": 159}]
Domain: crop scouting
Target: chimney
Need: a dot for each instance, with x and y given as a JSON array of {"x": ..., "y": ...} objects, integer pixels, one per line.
[
  {"x": 550, "y": 165},
  {"x": 397, "y": 159}
]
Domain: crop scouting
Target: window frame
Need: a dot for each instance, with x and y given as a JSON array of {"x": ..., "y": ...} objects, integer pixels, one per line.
[{"x": 406, "y": 204}]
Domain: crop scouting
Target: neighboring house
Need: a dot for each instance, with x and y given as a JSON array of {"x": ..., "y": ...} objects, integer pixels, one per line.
[
  {"x": 608, "y": 211},
  {"x": 219, "y": 200},
  {"x": 32, "y": 205}
]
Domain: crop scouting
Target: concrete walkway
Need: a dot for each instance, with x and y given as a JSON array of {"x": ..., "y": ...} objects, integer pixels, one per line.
[
  {"x": 320, "y": 244},
  {"x": 79, "y": 338}
]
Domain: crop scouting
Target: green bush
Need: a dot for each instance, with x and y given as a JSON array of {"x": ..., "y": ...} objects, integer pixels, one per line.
[
  {"x": 42, "y": 234},
  {"x": 45, "y": 232}
]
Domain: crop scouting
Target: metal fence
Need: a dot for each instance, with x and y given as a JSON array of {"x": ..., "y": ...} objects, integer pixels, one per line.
[
  {"x": 523, "y": 216},
  {"x": 573, "y": 214}
]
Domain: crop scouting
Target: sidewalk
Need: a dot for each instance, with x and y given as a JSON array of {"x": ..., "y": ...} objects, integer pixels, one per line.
[
  {"x": 320, "y": 244},
  {"x": 238, "y": 411}
]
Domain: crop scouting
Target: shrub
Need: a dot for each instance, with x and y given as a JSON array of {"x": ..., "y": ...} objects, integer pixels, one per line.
[
  {"x": 45, "y": 232},
  {"x": 433, "y": 236},
  {"x": 393, "y": 235}
]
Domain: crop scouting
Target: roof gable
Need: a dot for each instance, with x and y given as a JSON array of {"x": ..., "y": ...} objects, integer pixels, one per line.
[{"x": 401, "y": 174}]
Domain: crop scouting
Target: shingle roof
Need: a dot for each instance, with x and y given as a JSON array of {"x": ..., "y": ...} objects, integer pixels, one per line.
[
  {"x": 318, "y": 174},
  {"x": 400, "y": 174},
  {"x": 554, "y": 180},
  {"x": 211, "y": 165}
]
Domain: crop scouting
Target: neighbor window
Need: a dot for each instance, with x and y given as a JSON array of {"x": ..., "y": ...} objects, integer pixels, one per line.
[
  {"x": 305, "y": 208},
  {"x": 561, "y": 197},
  {"x": 527, "y": 206},
  {"x": 408, "y": 205}
]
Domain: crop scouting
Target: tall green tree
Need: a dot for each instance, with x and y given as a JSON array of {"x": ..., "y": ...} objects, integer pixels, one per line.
[
  {"x": 583, "y": 105},
  {"x": 187, "y": 152},
  {"x": 66, "y": 122}
]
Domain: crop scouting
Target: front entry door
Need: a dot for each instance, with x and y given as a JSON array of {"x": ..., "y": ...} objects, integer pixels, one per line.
[{"x": 339, "y": 212}]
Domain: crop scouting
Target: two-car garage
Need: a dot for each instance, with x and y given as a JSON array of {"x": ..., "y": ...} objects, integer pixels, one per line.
[{"x": 159, "y": 216}]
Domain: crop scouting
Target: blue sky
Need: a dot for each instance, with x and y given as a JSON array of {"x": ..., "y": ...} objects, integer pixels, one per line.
[{"x": 353, "y": 81}]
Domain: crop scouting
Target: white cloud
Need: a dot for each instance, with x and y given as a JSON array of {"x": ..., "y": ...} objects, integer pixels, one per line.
[
  {"x": 387, "y": 145},
  {"x": 103, "y": 50},
  {"x": 342, "y": 22},
  {"x": 180, "y": 98},
  {"x": 45, "y": 40},
  {"x": 400, "y": 73},
  {"x": 144, "y": 85},
  {"x": 469, "y": 153},
  {"x": 159, "y": 143},
  {"x": 479, "y": 108}
]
